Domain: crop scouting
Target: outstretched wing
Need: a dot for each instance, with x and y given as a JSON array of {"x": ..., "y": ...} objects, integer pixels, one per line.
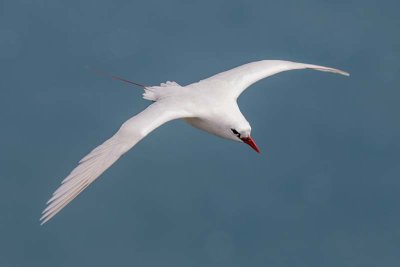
[
  {"x": 241, "y": 77},
  {"x": 103, "y": 156}
]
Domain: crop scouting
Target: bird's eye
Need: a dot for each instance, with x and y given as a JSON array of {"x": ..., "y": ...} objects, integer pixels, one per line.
[{"x": 236, "y": 132}]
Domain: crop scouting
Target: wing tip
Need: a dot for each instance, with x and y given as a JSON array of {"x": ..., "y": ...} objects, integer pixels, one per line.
[
  {"x": 342, "y": 72},
  {"x": 44, "y": 219},
  {"x": 46, "y": 215},
  {"x": 326, "y": 69}
]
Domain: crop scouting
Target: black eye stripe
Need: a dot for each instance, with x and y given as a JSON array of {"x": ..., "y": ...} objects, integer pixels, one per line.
[{"x": 236, "y": 132}]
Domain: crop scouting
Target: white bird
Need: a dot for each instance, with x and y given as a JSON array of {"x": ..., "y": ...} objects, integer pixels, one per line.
[{"x": 209, "y": 105}]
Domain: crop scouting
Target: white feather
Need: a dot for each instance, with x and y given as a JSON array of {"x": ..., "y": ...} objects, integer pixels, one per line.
[
  {"x": 103, "y": 156},
  {"x": 238, "y": 79}
]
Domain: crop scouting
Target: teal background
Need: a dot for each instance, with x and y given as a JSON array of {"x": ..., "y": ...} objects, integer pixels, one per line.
[{"x": 324, "y": 192}]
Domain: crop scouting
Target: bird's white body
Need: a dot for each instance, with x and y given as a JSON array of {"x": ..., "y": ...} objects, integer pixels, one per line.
[{"x": 209, "y": 105}]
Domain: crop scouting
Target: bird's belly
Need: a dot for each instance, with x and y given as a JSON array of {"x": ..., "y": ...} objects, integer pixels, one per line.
[{"x": 208, "y": 126}]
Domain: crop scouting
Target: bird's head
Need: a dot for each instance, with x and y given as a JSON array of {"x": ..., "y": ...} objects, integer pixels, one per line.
[{"x": 243, "y": 135}]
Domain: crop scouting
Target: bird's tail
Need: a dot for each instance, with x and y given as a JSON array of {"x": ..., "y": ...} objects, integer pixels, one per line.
[{"x": 103, "y": 73}]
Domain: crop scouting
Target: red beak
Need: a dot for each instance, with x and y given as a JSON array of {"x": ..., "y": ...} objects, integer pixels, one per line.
[{"x": 250, "y": 142}]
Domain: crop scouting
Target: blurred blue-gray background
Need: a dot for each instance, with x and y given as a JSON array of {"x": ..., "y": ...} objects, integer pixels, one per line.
[{"x": 324, "y": 192}]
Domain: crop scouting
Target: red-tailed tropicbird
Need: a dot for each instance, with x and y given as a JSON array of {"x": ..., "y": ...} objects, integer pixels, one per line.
[{"x": 209, "y": 105}]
